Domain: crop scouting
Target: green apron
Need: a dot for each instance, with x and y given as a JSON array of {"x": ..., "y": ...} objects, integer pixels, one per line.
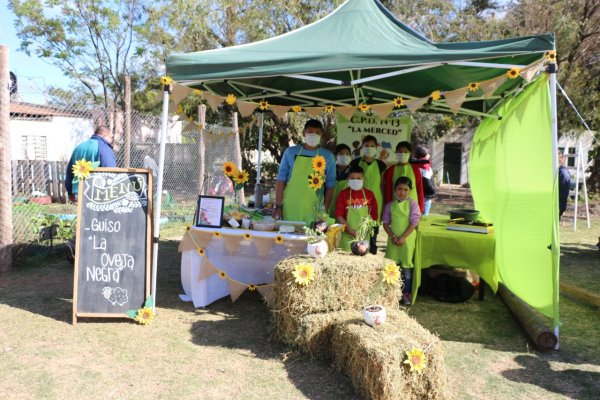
[
  {"x": 373, "y": 183},
  {"x": 298, "y": 197},
  {"x": 400, "y": 212},
  {"x": 339, "y": 186},
  {"x": 354, "y": 218},
  {"x": 405, "y": 170}
]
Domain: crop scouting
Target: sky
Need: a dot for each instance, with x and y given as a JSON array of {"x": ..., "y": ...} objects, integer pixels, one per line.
[{"x": 33, "y": 74}]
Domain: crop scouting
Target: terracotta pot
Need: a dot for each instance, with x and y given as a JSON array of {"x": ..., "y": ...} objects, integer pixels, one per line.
[
  {"x": 374, "y": 314},
  {"x": 318, "y": 249},
  {"x": 360, "y": 248}
]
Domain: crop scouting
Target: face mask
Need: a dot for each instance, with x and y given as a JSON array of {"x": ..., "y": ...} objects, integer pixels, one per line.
[
  {"x": 355, "y": 184},
  {"x": 343, "y": 159},
  {"x": 403, "y": 157},
  {"x": 369, "y": 151},
  {"x": 312, "y": 139}
]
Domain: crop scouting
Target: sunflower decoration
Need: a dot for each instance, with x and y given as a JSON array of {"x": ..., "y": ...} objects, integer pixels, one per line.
[
  {"x": 473, "y": 86},
  {"x": 550, "y": 56},
  {"x": 223, "y": 275},
  {"x": 247, "y": 236},
  {"x": 240, "y": 177},
  {"x": 364, "y": 107},
  {"x": 187, "y": 228},
  {"x": 296, "y": 109},
  {"x": 399, "y": 102},
  {"x": 252, "y": 288},
  {"x": 200, "y": 251},
  {"x": 82, "y": 168},
  {"x": 304, "y": 273},
  {"x": 263, "y": 105},
  {"x": 229, "y": 169},
  {"x": 197, "y": 92},
  {"x": 513, "y": 73},
  {"x": 278, "y": 239},
  {"x": 230, "y": 99},
  {"x": 166, "y": 80},
  {"x": 329, "y": 108},
  {"x": 144, "y": 315},
  {"x": 179, "y": 109},
  {"x": 436, "y": 95},
  {"x": 390, "y": 273},
  {"x": 217, "y": 234},
  {"x": 316, "y": 181},
  {"x": 416, "y": 360},
  {"x": 319, "y": 164}
]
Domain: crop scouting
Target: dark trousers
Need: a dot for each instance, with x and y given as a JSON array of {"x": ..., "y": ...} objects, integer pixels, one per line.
[{"x": 373, "y": 241}]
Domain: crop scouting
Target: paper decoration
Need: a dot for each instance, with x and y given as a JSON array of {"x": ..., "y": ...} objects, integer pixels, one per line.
[
  {"x": 347, "y": 112},
  {"x": 383, "y": 109},
  {"x": 232, "y": 243},
  {"x": 313, "y": 111},
  {"x": 267, "y": 293},
  {"x": 279, "y": 111},
  {"x": 456, "y": 98},
  {"x": 235, "y": 289},
  {"x": 491, "y": 85},
  {"x": 179, "y": 93},
  {"x": 414, "y": 104},
  {"x": 207, "y": 269},
  {"x": 194, "y": 239},
  {"x": 246, "y": 108},
  {"x": 213, "y": 101},
  {"x": 529, "y": 72},
  {"x": 295, "y": 246},
  {"x": 263, "y": 245}
]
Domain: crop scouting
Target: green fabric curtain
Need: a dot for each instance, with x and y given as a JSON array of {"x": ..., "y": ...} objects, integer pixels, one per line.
[{"x": 513, "y": 180}]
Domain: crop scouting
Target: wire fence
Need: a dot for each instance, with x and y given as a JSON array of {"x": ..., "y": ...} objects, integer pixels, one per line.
[{"x": 43, "y": 137}]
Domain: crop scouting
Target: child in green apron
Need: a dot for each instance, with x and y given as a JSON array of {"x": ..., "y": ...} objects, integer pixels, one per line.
[
  {"x": 353, "y": 204},
  {"x": 400, "y": 218}
]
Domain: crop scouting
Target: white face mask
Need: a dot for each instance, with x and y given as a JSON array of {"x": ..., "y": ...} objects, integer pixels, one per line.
[
  {"x": 343, "y": 159},
  {"x": 369, "y": 151},
  {"x": 355, "y": 184},
  {"x": 403, "y": 157},
  {"x": 312, "y": 139}
]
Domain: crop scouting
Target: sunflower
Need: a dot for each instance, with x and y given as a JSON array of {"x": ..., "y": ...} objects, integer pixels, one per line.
[
  {"x": 473, "y": 86},
  {"x": 223, "y": 275},
  {"x": 319, "y": 164},
  {"x": 166, "y": 80},
  {"x": 391, "y": 273},
  {"x": 200, "y": 251},
  {"x": 252, "y": 288},
  {"x": 187, "y": 228},
  {"x": 144, "y": 315},
  {"x": 229, "y": 169},
  {"x": 240, "y": 177},
  {"x": 247, "y": 236},
  {"x": 296, "y": 109},
  {"x": 217, "y": 234},
  {"x": 364, "y": 107},
  {"x": 82, "y": 169},
  {"x": 179, "y": 109},
  {"x": 436, "y": 95},
  {"x": 263, "y": 105},
  {"x": 398, "y": 102},
  {"x": 304, "y": 273},
  {"x": 550, "y": 56},
  {"x": 329, "y": 108},
  {"x": 197, "y": 92},
  {"x": 417, "y": 359},
  {"x": 191, "y": 119},
  {"x": 315, "y": 181},
  {"x": 230, "y": 99},
  {"x": 278, "y": 239},
  {"x": 513, "y": 73}
]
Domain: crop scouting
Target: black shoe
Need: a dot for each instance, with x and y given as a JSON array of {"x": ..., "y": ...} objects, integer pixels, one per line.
[{"x": 70, "y": 252}]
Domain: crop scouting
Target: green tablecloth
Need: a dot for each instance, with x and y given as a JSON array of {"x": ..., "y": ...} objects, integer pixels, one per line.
[{"x": 437, "y": 245}]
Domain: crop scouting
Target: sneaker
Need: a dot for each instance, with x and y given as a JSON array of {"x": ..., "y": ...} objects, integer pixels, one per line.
[{"x": 406, "y": 299}]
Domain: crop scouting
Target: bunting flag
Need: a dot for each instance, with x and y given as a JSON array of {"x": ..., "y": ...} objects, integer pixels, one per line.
[
  {"x": 529, "y": 72},
  {"x": 190, "y": 126},
  {"x": 456, "y": 98},
  {"x": 314, "y": 112},
  {"x": 295, "y": 246},
  {"x": 213, "y": 101},
  {"x": 235, "y": 289},
  {"x": 263, "y": 245},
  {"x": 383, "y": 109},
  {"x": 491, "y": 85},
  {"x": 194, "y": 239},
  {"x": 246, "y": 108},
  {"x": 232, "y": 243},
  {"x": 346, "y": 112},
  {"x": 207, "y": 269},
  {"x": 414, "y": 104},
  {"x": 279, "y": 111},
  {"x": 179, "y": 93},
  {"x": 267, "y": 293}
]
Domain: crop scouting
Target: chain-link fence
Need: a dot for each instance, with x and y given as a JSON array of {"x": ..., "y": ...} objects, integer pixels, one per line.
[{"x": 43, "y": 137}]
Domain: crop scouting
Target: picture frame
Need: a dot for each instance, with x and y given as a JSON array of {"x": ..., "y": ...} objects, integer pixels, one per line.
[{"x": 209, "y": 211}]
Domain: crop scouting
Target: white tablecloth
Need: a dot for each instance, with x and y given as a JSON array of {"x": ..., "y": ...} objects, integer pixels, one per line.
[{"x": 246, "y": 265}]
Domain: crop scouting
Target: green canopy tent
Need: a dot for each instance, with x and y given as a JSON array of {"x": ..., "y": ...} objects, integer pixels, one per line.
[{"x": 361, "y": 53}]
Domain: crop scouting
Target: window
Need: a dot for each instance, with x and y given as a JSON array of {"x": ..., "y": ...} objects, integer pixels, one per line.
[{"x": 33, "y": 147}]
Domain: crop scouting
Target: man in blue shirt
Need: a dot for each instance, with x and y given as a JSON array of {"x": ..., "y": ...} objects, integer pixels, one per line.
[{"x": 294, "y": 197}]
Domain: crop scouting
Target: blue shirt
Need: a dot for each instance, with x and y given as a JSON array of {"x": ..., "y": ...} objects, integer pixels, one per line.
[
  {"x": 94, "y": 149},
  {"x": 290, "y": 154}
]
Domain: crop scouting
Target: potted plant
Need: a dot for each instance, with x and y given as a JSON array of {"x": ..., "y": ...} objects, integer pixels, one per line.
[
  {"x": 316, "y": 242},
  {"x": 374, "y": 315},
  {"x": 360, "y": 245}
]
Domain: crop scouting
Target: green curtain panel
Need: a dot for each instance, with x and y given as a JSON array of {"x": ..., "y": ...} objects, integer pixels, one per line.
[{"x": 513, "y": 182}]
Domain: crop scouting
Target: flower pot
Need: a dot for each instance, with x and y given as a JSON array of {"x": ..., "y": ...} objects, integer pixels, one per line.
[
  {"x": 374, "y": 315},
  {"x": 360, "y": 248},
  {"x": 318, "y": 249}
]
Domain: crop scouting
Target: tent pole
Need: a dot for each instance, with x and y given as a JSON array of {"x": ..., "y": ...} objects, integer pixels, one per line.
[
  {"x": 577, "y": 155},
  {"x": 554, "y": 122},
  {"x": 261, "y": 119},
  {"x": 585, "y": 195},
  {"x": 159, "y": 186}
]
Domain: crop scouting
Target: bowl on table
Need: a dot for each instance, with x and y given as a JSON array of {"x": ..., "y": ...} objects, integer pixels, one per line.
[
  {"x": 263, "y": 225},
  {"x": 464, "y": 215}
]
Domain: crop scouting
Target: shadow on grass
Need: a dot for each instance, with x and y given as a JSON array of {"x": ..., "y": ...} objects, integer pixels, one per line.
[{"x": 572, "y": 383}]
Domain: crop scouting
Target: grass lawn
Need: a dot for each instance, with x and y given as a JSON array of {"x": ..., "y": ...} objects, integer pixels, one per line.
[{"x": 226, "y": 351}]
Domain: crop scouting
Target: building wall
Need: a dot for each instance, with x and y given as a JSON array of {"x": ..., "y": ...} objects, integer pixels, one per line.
[{"x": 436, "y": 150}]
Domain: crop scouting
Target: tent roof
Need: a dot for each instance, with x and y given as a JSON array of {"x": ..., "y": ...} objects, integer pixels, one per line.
[{"x": 359, "y": 53}]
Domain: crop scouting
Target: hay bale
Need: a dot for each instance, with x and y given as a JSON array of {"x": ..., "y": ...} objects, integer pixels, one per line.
[
  {"x": 341, "y": 282},
  {"x": 374, "y": 358}
]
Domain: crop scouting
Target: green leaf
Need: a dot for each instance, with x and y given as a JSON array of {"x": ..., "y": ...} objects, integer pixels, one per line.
[
  {"x": 131, "y": 313},
  {"x": 149, "y": 302},
  {"x": 95, "y": 164}
]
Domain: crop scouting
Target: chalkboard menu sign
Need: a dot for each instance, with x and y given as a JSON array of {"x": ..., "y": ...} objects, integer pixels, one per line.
[{"x": 113, "y": 246}]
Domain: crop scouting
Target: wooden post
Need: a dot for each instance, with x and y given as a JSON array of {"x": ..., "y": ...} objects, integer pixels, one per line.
[
  {"x": 127, "y": 121},
  {"x": 6, "y": 225},
  {"x": 201, "y": 150},
  {"x": 238, "y": 152}
]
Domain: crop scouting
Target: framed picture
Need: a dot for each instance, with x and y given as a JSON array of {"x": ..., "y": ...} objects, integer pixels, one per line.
[{"x": 209, "y": 212}]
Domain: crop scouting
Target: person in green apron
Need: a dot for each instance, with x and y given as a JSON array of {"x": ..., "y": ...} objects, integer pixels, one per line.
[
  {"x": 353, "y": 204},
  {"x": 295, "y": 194},
  {"x": 404, "y": 167},
  {"x": 400, "y": 218},
  {"x": 342, "y": 159},
  {"x": 373, "y": 170}
]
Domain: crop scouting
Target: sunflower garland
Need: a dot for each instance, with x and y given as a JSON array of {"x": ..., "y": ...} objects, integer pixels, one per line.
[
  {"x": 200, "y": 251},
  {"x": 278, "y": 239},
  {"x": 550, "y": 56},
  {"x": 252, "y": 288},
  {"x": 296, "y": 109},
  {"x": 436, "y": 95},
  {"x": 217, "y": 234},
  {"x": 247, "y": 236},
  {"x": 303, "y": 274},
  {"x": 513, "y": 73},
  {"x": 416, "y": 360},
  {"x": 230, "y": 99},
  {"x": 398, "y": 102},
  {"x": 263, "y": 105},
  {"x": 329, "y": 108},
  {"x": 197, "y": 92},
  {"x": 364, "y": 107},
  {"x": 473, "y": 86},
  {"x": 222, "y": 275}
]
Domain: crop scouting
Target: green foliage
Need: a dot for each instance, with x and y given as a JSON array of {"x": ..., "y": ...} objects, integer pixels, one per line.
[
  {"x": 314, "y": 235},
  {"x": 64, "y": 229},
  {"x": 365, "y": 229}
]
